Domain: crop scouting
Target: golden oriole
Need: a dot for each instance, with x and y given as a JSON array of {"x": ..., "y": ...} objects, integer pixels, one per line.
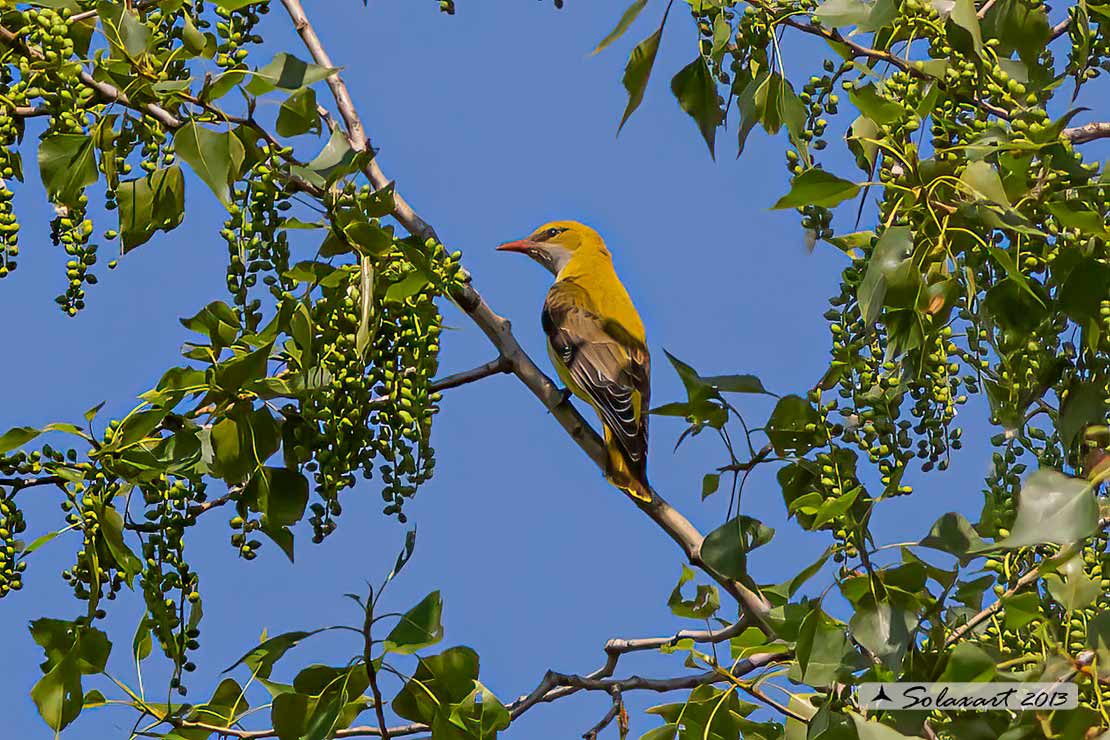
[{"x": 597, "y": 343}]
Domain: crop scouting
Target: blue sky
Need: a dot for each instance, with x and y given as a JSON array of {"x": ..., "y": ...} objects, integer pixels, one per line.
[{"x": 492, "y": 122}]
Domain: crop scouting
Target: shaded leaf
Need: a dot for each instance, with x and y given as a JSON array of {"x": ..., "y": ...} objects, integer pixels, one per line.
[
  {"x": 638, "y": 70},
  {"x": 696, "y": 91}
]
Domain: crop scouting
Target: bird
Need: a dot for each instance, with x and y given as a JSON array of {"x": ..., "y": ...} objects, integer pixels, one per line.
[{"x": 597, "y": 343}]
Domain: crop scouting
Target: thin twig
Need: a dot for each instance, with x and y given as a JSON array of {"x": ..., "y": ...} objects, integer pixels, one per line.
[
  {"x": 616, "y": 710},
  {"x": 493, "y": 367},
  {"x": 371, "y": 674}
]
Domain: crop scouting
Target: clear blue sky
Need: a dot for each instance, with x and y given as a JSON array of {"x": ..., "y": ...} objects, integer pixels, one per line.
[{"x": 492, "y": 122}]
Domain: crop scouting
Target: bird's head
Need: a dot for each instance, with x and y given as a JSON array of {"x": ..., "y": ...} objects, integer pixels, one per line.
[{"x": 554, "y": 244}]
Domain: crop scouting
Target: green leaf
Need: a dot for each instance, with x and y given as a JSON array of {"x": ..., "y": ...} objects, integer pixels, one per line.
[
  {"x": 1053, "y": 508},
  {"x": 792, "y": 427},
  {"x": 1072, "y": 216},
  {"x": 279, "y": 494},
  {"x": 964, "y": 16},
  {"x": 480, "y": 714},
  {"x": 17, "y": 437},
  {"x": 889, "y": 267},
  {"x": 214, "y": 156},
  {"x": 1070, "y": 585},
  {"x": 67, "y": 164},
  {"x": 111, "y": 529},
  {"x": 726, "y": 548},
  {"x": 884, "y": 629},
  {"x": 439, "y": 681},
  {"x": 817, "y": 187},
  {"x": 638, "y": 70},
  {"x": 141, "y": 643},
  {"x": 217, "y": 321},
  {"x": 298, "y": 114},
  {"x": 984, "y": 181},
  {"x": 821, "y": 649},
  {"x": 873, "y": 730},
  {"x": 708, "y": 713},
  {"x": 242, "y": 368},
  {"x": 834, "y": 508},
  {"x": 776, "y": 105},
  {"x": 626, "y": 20},
  {"x": 710, "y": 482},
  {"x": 953, "y": 534},
  {"x": 418, "y": 628},
  {"x": 261, "y": 659},
  {"x": 668, "y": 731},
  {"x": 127, "y": 35},
  {"x": 149, "y": 204},
  {"x": 195, "y": 42},
  {"x": 867, "y": 15},
  {"x": 1018, "y": 26},
  {"x": 405, "y": 554},
  {"x": 968, "y": 663},
  {"x": 287, "y": 72},
  {"x": 58, "y": 695},
  {"x": 336, "y": 160},
  {"x": 696, "y": 91},
  {"x": 1098, "y": 639},
  {"x": 705, "y": 603},
  {"x": 242, "y": 442},
  {"x": 1084, "y": 405},
  {"x": 1021, "y": 609},
  {"x": 874, "y": 106}
]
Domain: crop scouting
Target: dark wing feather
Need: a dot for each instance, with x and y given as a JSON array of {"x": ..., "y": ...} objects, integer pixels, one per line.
[{"x": 605, "y": 362}]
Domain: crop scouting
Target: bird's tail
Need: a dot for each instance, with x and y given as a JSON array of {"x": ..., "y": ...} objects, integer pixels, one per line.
[{"x": 621, "y": 474}]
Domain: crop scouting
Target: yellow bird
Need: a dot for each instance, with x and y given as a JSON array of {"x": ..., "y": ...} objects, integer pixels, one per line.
[{"x": 597, "y": 343}]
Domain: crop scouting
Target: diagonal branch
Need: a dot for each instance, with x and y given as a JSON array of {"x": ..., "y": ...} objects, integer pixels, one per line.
[{"x": 499, "y": 332}]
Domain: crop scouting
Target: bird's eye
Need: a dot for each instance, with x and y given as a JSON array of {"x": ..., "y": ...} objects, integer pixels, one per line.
[{"x": 551, "y": 233}]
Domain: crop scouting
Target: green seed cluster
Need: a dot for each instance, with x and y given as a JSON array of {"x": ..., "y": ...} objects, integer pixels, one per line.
[
  {"x": 235, "y": 29},
  {"x": 375, "y": 406},
  {"x": 255, "y": 242},
  {"x": 407, "y": 345},
  {"x": 12, "y": 524},
  {"x": 73, "y": 231},
  {"x": 9, "y": 226},
  {"x": 169, "y": 583},
  {"x": 242, "y": 524},
  {"x": 95, "y": 572},
  {"x": 11, "y": 168}
]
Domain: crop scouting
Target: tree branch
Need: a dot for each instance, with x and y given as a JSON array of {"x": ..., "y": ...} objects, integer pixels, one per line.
[
  {"x": 616, "y": 710},
  {"x": 493, "y": 367},
  {"x": 1088, "y": 132},
  {"x": 499, "y": 332},
  {"x": 18, "y": 484},
  {"x": 553, "y": 686}
]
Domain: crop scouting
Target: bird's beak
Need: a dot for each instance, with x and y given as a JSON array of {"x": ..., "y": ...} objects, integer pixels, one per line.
[{"x": 520, "y": 245}]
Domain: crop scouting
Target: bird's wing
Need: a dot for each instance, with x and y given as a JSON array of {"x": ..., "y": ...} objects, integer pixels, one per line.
[{"x": 606, "y": 362}]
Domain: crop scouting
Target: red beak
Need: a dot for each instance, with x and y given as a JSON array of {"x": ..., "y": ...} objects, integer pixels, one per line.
[{"x": 520, "y": 245}]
